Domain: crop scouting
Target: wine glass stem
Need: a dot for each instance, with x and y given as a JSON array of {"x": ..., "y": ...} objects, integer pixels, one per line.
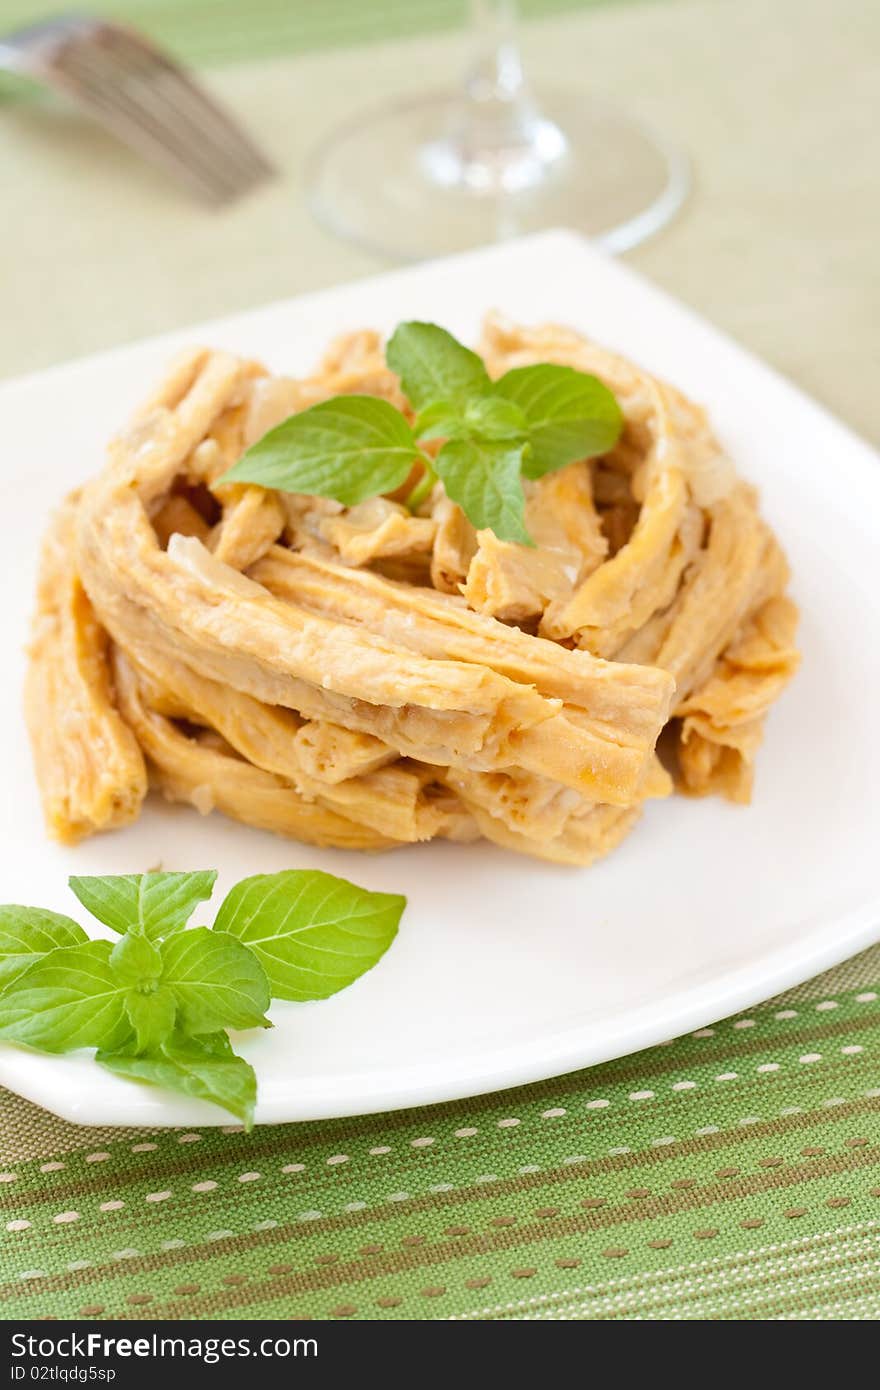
[
  {"x": 498, "y": 112},
  {"x": 497, "y": 141}
]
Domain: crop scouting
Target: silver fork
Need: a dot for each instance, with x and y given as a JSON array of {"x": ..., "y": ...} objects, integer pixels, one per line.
[{"x": 143, "y": 97}]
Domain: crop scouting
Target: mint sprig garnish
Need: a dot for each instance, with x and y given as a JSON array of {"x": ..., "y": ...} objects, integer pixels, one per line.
[
  {"x": 29, "y": 933},
  {"x": 312, "y": 932},
  {"x": 204, "y": 1067},
  {"x": 569, "y": 415},
  {"x": 216, "y": 982},
  {"x": 484, "y": 477},
  {"x": 532, "y": 421},
  {"x": 155, "y": 904},
  {"x": 350, "y": 448},
  {"x": 434, "y": 366},
  {"x": 156, "y": 1004},
  {"x": 71, "y": 997}
]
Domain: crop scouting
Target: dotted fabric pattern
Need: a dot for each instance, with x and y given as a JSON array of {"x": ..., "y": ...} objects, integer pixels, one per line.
[{"x": 733, "y": 1174}]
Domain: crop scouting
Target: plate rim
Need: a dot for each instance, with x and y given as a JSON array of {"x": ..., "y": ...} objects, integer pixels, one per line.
[
  {"x": 741, "y": 989},
  {"x": 560, "y": 1053}
]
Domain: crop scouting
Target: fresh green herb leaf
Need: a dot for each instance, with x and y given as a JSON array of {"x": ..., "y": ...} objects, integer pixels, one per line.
[
  {"x": 354, "y": 447},
  {"x": 205, "y": 1067},
  {"x": 570, "y": 415},
  {"x": 136, "y": 960},
  {"x": 156, "y": 1006},
  {"x": 442, "y": 420},
  {"x": 216, "y": 981},
  {"x": 493, "y": 417},
  {"x": 485, "y": 417},
  {"x": 150, "y": 1009},
  {"x": 151, "y": 1013},
  {"x": 27, "y": 933},
  {"x": 70, "y": 998},
  {"x": 156, "y": 904},
  {"x": 434, "y": 366},
  {"x": 314, "y": 933},
  {"x": 350, "y": 448},
  {"x": 483, "y": 477}
]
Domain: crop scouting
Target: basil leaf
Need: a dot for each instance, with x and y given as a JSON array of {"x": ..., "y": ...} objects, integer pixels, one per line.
[
  {"x": 70, "y": 998},
  {"x": 135, "y": 960},
  {"x": 156, "y": 904},
  {"x": 113, "y": 899},
  {"x": 484, "y": 417},
  {"x": 205, "y": 1067},
  {"x": 434, "y": 366},
  {"x": 27, "y": 933},
  {"x": 483, "y": 477},
  {"x": 493, "y": 417},
  {"x": 570, "y": 414},
  {"x": 151, "y": 1015},
  {"x": 313, "y": 932},
  {"x": 441, "y": 420},
  {"x": 216, "y": 981},
  {"x": 350, "y": 448}
]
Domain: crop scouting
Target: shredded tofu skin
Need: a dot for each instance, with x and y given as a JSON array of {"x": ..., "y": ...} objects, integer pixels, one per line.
[{"x": 366, "y": 678}]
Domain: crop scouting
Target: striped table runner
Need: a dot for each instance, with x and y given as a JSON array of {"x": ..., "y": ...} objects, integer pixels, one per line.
[{"x": 734, "y": 1174}]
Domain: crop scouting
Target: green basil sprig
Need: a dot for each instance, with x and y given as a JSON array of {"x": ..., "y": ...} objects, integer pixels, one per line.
[
  {"x": 313, "y": 933},
  {"x": 532, "y": 421},
  {"x": 156, "y": 1004}
]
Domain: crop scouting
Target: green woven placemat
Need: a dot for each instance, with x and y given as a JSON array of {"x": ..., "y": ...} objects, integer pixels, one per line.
[{"x": 733, "y": 1174}]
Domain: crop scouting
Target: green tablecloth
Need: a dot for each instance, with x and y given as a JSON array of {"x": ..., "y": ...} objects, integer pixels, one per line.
[
  {"x": 222, "y": 31},
  {"x": 732, "y": 1174},
  {"x": 726, "y": 1175}
]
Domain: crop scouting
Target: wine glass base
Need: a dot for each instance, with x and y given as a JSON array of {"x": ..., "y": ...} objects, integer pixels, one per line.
[{"x": 387, "y": 181}]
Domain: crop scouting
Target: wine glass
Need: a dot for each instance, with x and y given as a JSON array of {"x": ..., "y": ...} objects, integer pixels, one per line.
[{"x": 443, "y": 172}]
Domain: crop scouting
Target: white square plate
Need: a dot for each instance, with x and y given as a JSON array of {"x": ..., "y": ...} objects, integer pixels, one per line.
[{"x": 507, "y": 970}]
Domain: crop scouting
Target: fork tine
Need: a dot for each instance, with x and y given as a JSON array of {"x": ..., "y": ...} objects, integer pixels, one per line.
[
  {"x": 135, "y": 81},
  {"x": 131, "y": 129},
  {"x": 171, "y": 82},
  {"x": 83, "y": 68}
]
